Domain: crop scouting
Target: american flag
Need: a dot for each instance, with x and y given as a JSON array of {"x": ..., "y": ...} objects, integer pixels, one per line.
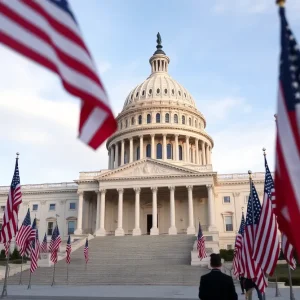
[
  {"x": 7, "y": 248},
  {"x": 288, "y": 252},
  {"x": 86, "y": 251},
  {"x": 237, "y": 261},
  {"x": 287, "y": 172},
  {"x": 10, "y": 217},
  {"x": 250, "y": 268},
  {"x": 266, "y": 247},
  {"x": 54, "y": 244},
  {"x": 44, "y": 247},
  {"x": 48, "y": 33},
  {"x": 35, "y": 252},
  {"x": 26, "y": 250},
  {"x": 68, "y": 250},
  {"x": 201, "y": 244},
  {"x": 25, "y": 234}
]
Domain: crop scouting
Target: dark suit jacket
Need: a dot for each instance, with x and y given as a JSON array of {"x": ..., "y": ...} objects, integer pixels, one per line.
[{"x": 217, "y": 286}]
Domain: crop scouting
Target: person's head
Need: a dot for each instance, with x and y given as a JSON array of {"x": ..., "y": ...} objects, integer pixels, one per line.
[{"x": 215, "y": 260}]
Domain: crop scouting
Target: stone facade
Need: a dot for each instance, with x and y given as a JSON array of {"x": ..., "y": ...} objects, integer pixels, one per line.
[{"x": 160, "y": 177}]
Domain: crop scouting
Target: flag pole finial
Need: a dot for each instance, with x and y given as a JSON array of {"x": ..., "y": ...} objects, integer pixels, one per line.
[
  {"x": 264, "y": 151},
  {"x": 275, "y": 116},
  {"x": 280, "y": 3},
  {"x": 17, "y": 155},
  {"x": 250, "y": 174}
]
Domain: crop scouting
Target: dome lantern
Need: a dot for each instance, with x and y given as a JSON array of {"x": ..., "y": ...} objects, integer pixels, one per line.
[{"x": 159, "y": 61}]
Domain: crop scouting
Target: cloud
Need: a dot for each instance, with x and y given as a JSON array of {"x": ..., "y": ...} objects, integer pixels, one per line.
[{"x": 220, "y": 109}]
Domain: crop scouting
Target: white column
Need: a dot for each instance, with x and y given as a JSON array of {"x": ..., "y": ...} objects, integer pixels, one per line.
[
  {"x": 191, "y": 228},
  {"x": 117, "y": 155},
  {"x": 203, "y": 155},
  {"x": 209, "y": 150},
  {"x": 176, "y": 148},
  {"x": 141, "y": 147},
  {"x": 112, "y": 157},
  {"x": 164, "y": 152},
  {"x": 187, "y": 148},
  {"x": 101, "y": 231},
  {"x": 137, "y": 229},
  {"x": 131, "y": 150},
  {"x": 154, "y": 230},
  {"x": 200, "y": 157},
  {"x": 98, "y": 212},
  {"x": 172, "y": 229},
  {"x": 120, "y": 231},
  {"x": 211, "y": 208},
  {"x": 79, "y": 230},
  {"x": 197, "y": 151},
  {"x": 152, "y": 146},
  {"x": 122, "y": 152},
  {"x": 109, "y": 158},
  {"x": 207, "y": 154}
]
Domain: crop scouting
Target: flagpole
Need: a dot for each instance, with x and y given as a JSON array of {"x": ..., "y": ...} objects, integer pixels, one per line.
[
  {"x": 53, "y": 279},
  {"x": 29, "y": 284},
  {"x": 292, "y": 296},
  {"x": 4, "y": 291},
  {"x": 20, "y": 281},
  {"x": 277, "y": 292},
  {"x": 67, "y": 273}
]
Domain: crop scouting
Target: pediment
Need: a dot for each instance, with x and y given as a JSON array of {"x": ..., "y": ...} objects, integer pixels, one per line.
[{"x": 147, "y": 168}]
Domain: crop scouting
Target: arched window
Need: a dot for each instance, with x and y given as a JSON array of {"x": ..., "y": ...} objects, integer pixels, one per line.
[
  {"x": 132, "y": 121},
  {"x": 180, "y": 152},
  {"x": 138, "y": 153},
  {"x": 167, "y": 118},
  {"x": 148, "y": 151},
  {"x": 126, "y": 123},
  {"x": 169, "y": 151},
  {"x": 190, "y": 121},
  {"x": 183, "y": 119},
  {"x": 159, "y": 151},
  {"x": 157, "y": 118},
  {"x": 196, "y": 123},
  {"x": 148, "y": 118},
  {"x": 175, "y": 118},
  {"x": 140, "y": 119}
]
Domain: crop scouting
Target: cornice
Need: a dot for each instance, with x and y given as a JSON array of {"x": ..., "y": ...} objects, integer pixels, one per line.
[
  {"x": 138, "y": 130},
  {"x": 42, "y": 192},
  {"x": 238, "y": 182}
]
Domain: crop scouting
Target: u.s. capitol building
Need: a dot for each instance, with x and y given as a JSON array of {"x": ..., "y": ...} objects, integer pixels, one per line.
[{"x": 160, "y": 178}]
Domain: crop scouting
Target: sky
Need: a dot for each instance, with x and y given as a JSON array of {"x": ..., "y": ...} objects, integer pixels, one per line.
[{"x": 224, "y": 52}]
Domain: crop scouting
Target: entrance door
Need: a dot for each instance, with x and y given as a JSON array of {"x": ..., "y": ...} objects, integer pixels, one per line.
[{"x": 149, "y": 223}]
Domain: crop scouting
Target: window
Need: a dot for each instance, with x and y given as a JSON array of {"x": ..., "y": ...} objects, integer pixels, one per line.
[
  {"x": 226, "y": 199},
  {"x": 148, "y": 150},
  {"x": 148, "y": 118},
  {"x": 229, "y": 247},
  {"x": 175, "y": 118},
  {"x": 228, "y": 223},
  {"x": 132, "y": 121},
  {"x": 52, "y": 207},
  {"x": 35, "y": 207},
  {"x": 157, "y": 118},
  {"x": 2, "y": 208},
  {"x": 159, "y": 151},
  {"x": 138, "y": 153},
  {"x": 166, "y": 91},
  {"x": 190, "y": 121},
  {"x": 195, "y": 123},
  {"x": 126, "y": 123},
  {"x": 173, "y": 92},
  {"x": 143, "y": 93},
  {"x": 167, "y": 118},
  {"x": 183, "y": 119},
  {"x": 121, "y": 125},
  {"x": 158, "y": 91},
  {"x": 50, "y": 228},
  {"x": 180, "y": 152},
  {"x": 150, "y": 91},
  {"x": 169, "y": 151},
  {"x": 71, "y": 227},
  {"x": 72, "y": 205},
  {"x": 140, "y": 119}
]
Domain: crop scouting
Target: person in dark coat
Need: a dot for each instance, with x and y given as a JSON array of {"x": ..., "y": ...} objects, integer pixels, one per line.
[
  {"x": 216, "y": 285},
  {"x": 241, "y": 279}
]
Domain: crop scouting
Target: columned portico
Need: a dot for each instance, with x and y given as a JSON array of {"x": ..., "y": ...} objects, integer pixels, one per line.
[
  {"x": 101, "y": 213},
  {"x": 120, "y": 231},
  {"x": 172, "y": 229},
  {"x": 191, "y": 228},
  {"x": 154, "y": 230},
  {"x": 137, "y": 227},
  {"x": 80, "y": 211}
]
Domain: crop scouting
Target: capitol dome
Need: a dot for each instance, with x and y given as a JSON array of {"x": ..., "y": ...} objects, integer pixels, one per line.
[{"x": 160, "y": 120}]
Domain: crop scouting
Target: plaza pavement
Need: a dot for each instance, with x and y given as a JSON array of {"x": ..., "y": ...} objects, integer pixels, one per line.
[{"x": 113, "y": 292}]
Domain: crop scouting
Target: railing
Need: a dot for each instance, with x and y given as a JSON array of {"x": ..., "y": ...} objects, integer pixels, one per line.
[
  {"x": 237, "y": 176},
  {"x": 89, "y": 175},
  {"x": 43, "y": 186}
]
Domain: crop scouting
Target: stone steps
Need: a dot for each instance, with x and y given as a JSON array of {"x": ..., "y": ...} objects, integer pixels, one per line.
[{"x": 156, "y": 260}]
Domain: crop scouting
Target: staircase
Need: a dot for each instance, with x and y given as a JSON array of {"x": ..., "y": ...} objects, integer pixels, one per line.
[{"x": 147, "y": 260}]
